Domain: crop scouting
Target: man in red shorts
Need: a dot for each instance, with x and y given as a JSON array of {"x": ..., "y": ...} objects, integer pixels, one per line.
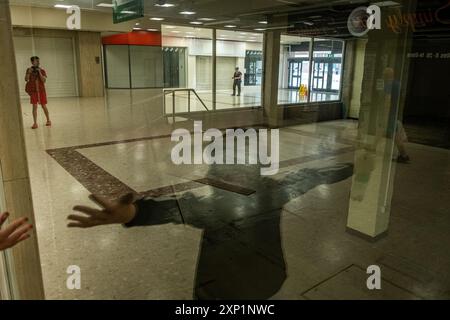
[{"x": 36, "y": 78}]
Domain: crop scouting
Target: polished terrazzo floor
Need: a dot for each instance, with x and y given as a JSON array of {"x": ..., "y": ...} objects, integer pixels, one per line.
[
  {"x": 234, "y": 234},
  {"x": 249, "y": 98}
]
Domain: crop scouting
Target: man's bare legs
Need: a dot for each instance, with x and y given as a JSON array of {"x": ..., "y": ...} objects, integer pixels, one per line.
[
  {"x": 47, "y": 115},
  {"x": 35, "y": 125}
]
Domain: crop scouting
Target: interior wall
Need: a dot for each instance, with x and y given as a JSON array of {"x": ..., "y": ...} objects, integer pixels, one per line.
[
  {"x": 87, "y": 48},
  {"x": 89, "y": 61},
  {"x": 428, "y": 89},
  {"x": 50, "y": 18}
]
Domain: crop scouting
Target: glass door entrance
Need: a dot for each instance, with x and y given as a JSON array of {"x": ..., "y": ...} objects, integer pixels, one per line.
[
  {"x": 253, "y": 67},
  {"x": 298, "y": 73},
  {"x": 326, "y": 75}
]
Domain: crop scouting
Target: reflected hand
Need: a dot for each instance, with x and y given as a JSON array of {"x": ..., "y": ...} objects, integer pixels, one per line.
[
  {"x": 16, "y": 232},
  {"x": 113, "y": 212}
]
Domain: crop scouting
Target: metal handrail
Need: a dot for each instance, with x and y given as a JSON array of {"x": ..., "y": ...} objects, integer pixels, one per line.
[{"x": 173, "y": 91}]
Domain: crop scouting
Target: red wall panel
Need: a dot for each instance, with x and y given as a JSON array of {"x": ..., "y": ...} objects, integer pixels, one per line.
[{"x": 136, "y": 38}]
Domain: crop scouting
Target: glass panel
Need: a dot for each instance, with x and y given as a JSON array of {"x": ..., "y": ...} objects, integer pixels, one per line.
[
  {"x": 117, "y": 66},
  {"x": 326, "y": 80},
  {"x": 294, "y": 69},
  {"x": 146, "y": 67},
  {"x": 239, "y": 69},
  {"x": 187, "y": 53}
]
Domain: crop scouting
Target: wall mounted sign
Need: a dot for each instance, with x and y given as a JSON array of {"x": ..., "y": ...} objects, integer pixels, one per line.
[{"x": 125, "y": 10}]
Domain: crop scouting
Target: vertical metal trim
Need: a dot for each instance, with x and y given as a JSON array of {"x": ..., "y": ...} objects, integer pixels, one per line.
[
  {"x": 214, "y": 68},
  {"x": 311, "y": 68},
  {"x": 129, "y": 66}
]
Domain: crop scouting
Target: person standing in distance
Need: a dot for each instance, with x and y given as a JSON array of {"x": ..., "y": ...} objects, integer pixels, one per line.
[
  {"x": 35, "y": 87},
  {"x": 237, "y": 77}
]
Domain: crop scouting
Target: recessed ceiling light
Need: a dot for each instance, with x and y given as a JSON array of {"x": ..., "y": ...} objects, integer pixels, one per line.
[
  {"x": 169, "y": 27},
  {"x": 165, "y": 5},
  {"x": 175, "y": 31},
  {"x": 190, "y": 36},
  {"x": 207, "y": 19},
  {"x": 105, "y": 5},
  {"x": 262, "y": 22},
  {"x": 260, "y": 29},
  {"x": 62, "y": 6},
  {"x": 196, "y": 22},
  {"x": 137, "y": 28},
  {"x": 230, "y": 26},
  {"x": 153, "y": 30},
  {"x": 188, "y": 12},
  {"x": 157, "y": 19},
  {"x": 243, "y": 33}
]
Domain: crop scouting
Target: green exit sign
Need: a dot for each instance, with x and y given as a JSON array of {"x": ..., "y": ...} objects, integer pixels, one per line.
[{"x": 125, "y": 10}]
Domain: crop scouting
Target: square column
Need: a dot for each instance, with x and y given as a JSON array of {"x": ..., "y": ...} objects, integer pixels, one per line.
[
  {"x": 382, "y": 100},
  {"x": 27, "y": 276},
  {"x": 271, "y": 75}
]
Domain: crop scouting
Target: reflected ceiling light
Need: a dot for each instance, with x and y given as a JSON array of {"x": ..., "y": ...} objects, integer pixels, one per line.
[
  {"x": 260, "y": 29},
  {"x": 169, "y": 27},
  {"x": 105, "y": 5},
  {"x": 196, "y": 22},
  {"x": 164, "y": 4},
  {"x": 263, "y": 22},
  {"x": 175, "y": 31},
  {"x": 188, "y": 12},
  {"x": 387, "y": 3},
  {"x": 135, "y": 28},
  {"x": 230, "y": 26},
  {"x": 153, "y": 30},
  {"x": 63, "y": 6},
  {"x": 207, "y": 19},
  {"x": 157, "y": 19}
]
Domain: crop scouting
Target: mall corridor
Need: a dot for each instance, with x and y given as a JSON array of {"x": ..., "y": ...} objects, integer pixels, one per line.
[{"x": 358, "y": 127}]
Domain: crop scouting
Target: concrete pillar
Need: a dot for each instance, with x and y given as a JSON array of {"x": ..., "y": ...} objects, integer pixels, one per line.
[
  {"x": 371, "y": 194},
  {"x": 89, "y": 62},
  {"x": 14, "y": 167},
  {"x": 271, "y": 75}
]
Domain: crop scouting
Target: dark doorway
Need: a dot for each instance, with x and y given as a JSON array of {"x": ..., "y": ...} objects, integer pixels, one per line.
[
  {"x": 253, "y": 67},
  {"x": 174, "y": 67}
]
